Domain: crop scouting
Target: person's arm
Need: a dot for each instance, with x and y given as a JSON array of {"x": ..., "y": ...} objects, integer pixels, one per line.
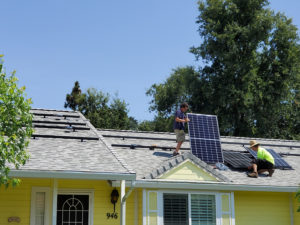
[{"x": 182, "y": 120}]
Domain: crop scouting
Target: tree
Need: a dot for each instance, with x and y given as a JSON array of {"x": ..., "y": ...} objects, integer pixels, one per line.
[
  {"x": 251, "y": 75},
  {"x": 15, "y": 126},
  {"x": 100, "y": 109},
  {"x": 73, "y": 99},
  {"x": 298, "y": 198}
]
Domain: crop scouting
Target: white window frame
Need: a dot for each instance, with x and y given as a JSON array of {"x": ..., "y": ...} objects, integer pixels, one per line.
[
  {"x": 189, "y": 193},
  {"x": 34, "y": 190},
  {"x": 89, "y": 192}
]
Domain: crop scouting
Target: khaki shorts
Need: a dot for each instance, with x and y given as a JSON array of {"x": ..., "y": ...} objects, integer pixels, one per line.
[{"x": 180, "y": 135}]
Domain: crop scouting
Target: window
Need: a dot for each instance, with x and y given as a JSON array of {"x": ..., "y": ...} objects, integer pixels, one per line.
[
  {"x": 72, "y": 210},
  {"x": 176, "y": 209},
  {"x": 39, "y": 206}
]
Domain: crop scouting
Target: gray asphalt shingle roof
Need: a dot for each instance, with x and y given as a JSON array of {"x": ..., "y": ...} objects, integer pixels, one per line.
[
  {"x": 57, "y": 149},
  {"x": 56, "y": 146},
  {"x": 144, "y": 161}
]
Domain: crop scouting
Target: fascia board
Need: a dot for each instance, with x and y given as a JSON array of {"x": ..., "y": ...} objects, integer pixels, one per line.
[
  {"x": 72, "y": 175},
  {"x": 209, "y": 186}
]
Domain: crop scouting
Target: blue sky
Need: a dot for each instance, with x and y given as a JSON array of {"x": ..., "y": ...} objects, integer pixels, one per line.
[{"x": 115, "y": 46}]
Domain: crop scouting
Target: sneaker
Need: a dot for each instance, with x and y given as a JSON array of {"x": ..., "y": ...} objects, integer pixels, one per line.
[
  {"x": 271, "y": 171},
  {"x": 254, "y": 175},
  {"x": 176, "y": 153}
]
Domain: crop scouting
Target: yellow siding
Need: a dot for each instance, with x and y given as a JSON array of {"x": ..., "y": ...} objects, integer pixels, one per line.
[
  {"x": 188, "y": 171},
  {"x": 296, "y": 214},
  {"x": 16, "y": 201},
  {"x": 262, "y": 208},
  {"x": 102, "y": 204}
]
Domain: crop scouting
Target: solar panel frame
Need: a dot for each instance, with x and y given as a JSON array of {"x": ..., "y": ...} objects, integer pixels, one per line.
[
  {"x": 205, "y": 137},
  {"x": 237, "y": 160},
  {"x": 280, "y": 163}
]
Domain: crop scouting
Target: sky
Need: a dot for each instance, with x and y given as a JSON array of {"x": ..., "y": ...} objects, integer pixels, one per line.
[{"x": 116, "y": 46}]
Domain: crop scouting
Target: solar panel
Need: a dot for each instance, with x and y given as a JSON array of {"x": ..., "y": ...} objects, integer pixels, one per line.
[
  {"x": 237, "y": 160},
  {"x": 205, "y": 137},
  {"x": 279, "y": 161}
]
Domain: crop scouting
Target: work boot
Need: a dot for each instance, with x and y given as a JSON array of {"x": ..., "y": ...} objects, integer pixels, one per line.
[
  {"x": 271, "y": 171},
  {"x": 254, "y": 175},
  {"x": 176, "y": 153}
]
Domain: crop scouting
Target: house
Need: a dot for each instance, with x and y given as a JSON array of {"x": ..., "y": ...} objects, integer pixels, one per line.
[{"x": 76, "y": 173}]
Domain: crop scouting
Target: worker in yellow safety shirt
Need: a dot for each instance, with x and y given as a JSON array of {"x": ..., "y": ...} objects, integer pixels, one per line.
[{"x": 264, "y": 161}]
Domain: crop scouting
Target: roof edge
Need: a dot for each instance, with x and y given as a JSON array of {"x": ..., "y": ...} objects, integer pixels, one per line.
[
  {"x": 176, "y": 161},
  {"x": 208, "y": 186},
  {"x": 72, "y": 175}
]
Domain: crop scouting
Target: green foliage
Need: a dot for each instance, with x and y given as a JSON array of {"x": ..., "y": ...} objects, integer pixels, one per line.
[
  {"x": 100, "y": 109},
  {"x": 73, "y": 99},
  {"x": 298, "y": 197},
  {"x": 15, "y": 126},
  {"x": 161, "y": 123},
  {"x": 251, "y": 71}
]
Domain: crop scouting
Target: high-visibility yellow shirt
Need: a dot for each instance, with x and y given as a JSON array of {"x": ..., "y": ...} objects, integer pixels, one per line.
[{"x": 264, "y": 154}]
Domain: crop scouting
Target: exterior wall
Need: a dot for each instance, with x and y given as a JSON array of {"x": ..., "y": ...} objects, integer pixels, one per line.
[
  {"x": 262, "y": 208},
  {"x": 17, "y": 201},
  {"x": 188, "y": 171},
  {"x": 259, "y": 208},
  {"x": 296, "y": 205}
]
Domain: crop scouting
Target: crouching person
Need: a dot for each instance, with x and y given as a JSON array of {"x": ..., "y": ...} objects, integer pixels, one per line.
[{"x": 264, "y": 161}]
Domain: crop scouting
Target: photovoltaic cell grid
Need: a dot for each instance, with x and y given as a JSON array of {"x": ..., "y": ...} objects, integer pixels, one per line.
[
  {"x": 237, "y": 160},
  {"x": 279, "y": 161},
  {"x": 205, "y": 137}
]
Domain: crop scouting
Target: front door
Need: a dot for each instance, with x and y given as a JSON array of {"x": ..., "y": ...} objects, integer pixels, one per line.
[{"x": 72, "y": 209}]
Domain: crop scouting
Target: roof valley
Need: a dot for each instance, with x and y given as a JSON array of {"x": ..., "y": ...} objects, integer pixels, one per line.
[{"x": 101, "y": 138}]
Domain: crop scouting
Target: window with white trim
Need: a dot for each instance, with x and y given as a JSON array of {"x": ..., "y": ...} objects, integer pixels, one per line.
[
  {"x": 39, "y": 206},
  {"x": 189, "y": 209}
]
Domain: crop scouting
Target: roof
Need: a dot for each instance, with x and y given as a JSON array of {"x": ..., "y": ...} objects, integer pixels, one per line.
[
  {"x": 175, "y": 161},
  {"x": 133, "y": 148},
  {"x": 64, "y": 142}
]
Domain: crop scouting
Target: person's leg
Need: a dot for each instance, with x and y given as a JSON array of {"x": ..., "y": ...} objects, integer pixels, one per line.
[
  {"x": 178, "y": 146},
  {"x": 254, "y": 173},
  {"x": 254, "y": 168},
  {"x": 180, "y": 138},
  {"x": 262, "y": 171}
]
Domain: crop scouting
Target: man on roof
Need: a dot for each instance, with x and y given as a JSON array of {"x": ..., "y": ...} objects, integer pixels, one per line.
[
  {"x": 264, "y": 161},
  {"x": 179, "y": 122}
]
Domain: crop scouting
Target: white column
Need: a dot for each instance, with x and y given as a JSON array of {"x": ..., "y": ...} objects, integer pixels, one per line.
[
  {"x": 123, "y": 204},
  {"x": 54, "y": 201}
]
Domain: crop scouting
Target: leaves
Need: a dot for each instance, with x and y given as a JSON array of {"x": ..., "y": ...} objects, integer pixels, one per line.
[
  {"x": 15, "y": 126},
  {"x": 251, "y": 71},
  {"x": 100, "y": 109}
]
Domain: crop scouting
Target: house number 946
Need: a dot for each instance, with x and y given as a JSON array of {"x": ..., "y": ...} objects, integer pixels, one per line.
[{"x": 112, "y": 215}]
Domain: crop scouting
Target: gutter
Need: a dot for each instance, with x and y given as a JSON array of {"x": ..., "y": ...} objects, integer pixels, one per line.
[
  {"x": 72, "y": 175},
  {"x": 217, "y": 186}
]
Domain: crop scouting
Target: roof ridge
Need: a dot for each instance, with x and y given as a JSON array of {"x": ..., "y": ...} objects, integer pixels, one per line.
[
  {"x": 119, "y": 159},
  {"x": 262, "y": 139},
  {"x": 54, "y": 110},
  {"x": 172, "y": 133},
  {"x": 176, "y": 161},
  {"x": 135, "y": 131}
]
